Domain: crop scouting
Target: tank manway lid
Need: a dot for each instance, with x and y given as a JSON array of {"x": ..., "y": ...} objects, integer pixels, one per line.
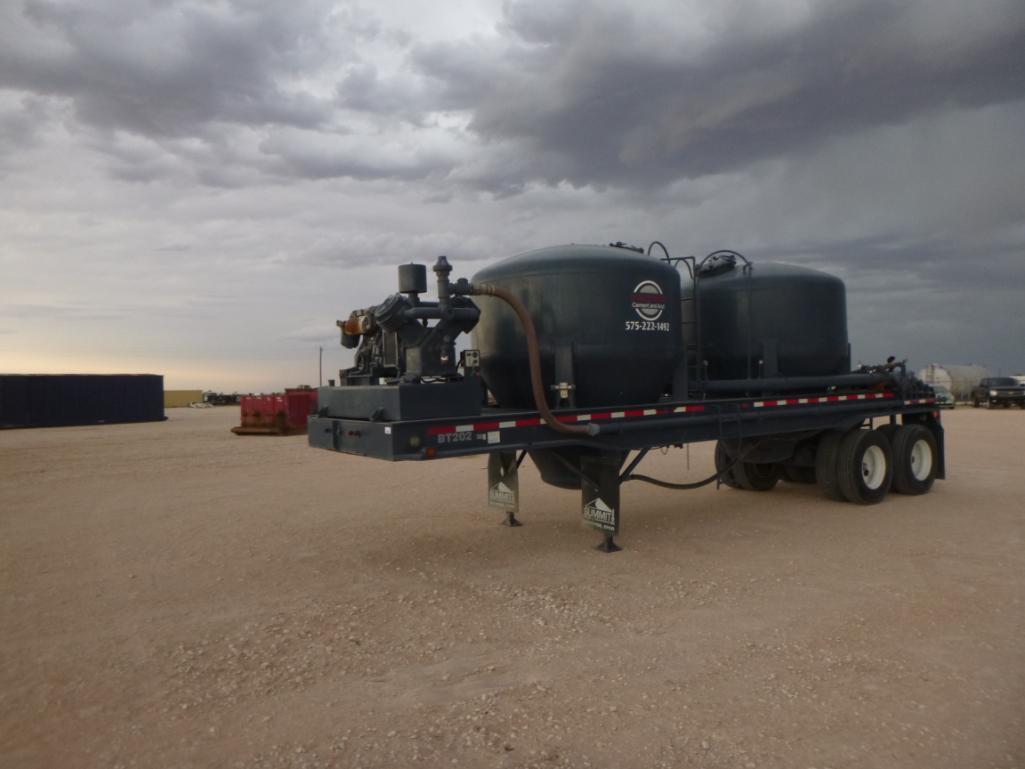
[{"x": 719, "y": 262}]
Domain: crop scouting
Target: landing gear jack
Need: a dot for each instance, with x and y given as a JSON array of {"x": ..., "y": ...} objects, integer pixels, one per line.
[
  {"x": 599, "y": 490},
  {"x": 599, "y": 497},
  {"x": 504, "y": 484}
]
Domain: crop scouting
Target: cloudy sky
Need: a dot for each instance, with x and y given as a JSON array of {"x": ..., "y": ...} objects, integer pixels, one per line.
[{"x": 201, "y": 188}]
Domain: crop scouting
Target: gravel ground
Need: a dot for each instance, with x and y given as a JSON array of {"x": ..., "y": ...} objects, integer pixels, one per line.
[{"x": 176, "y": 596}]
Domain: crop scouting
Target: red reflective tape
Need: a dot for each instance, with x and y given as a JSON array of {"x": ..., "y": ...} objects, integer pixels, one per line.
[
  {"x": 634, "y": 413},
  {"x": 483, "y": 426},
  {"x": 441, "y": 430},
  {"x": 657, "y": 298},
  {"x": 528, "y": 422},
  {"x": 695, "y": 408},
  {"x": 601, "y": 416}
]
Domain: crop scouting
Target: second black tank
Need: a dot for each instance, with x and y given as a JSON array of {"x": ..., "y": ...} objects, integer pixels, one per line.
[{"x": 767, "y": 320}]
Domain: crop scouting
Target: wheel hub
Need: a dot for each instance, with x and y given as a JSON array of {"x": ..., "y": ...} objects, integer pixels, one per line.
[
  {"x": 921, "y": 460},
  {"x": 873, "y": 467}
]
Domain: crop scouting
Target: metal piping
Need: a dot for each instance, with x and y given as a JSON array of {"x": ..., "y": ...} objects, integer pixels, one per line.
[
  {"x": 534, "y": 358},
  {"x": 789, "y": 384}
]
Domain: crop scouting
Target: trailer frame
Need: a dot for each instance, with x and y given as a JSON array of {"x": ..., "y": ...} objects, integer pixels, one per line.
[{"x": 506, "y": 435}]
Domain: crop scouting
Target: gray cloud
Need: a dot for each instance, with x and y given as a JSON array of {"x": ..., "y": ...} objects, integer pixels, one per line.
[
  {"x": 167, "y": 70},
  {"x": 599, "y": 89},
  {"x": 222, "y": 181}
]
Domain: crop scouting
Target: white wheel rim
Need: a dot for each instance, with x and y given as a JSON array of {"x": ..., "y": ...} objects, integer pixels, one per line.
[
  {"x": 873, "y": 467},
  {"x": 921, "y": 460}
]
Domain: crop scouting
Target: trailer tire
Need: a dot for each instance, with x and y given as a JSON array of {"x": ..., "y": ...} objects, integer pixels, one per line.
[
  {"x": 914, "y": 459},
  {"x": 825, "y": 464},
  {"x": 864, "y": 466},
  {"x": 757, "y": 476},
  {"x": 798, "y": 474},
  {"x": 722, "y": 459}
]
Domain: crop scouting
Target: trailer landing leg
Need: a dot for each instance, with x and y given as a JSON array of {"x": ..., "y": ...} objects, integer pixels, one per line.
[
  {"x": 599, "y": 490},
  {"x": 504, "y": 485}
]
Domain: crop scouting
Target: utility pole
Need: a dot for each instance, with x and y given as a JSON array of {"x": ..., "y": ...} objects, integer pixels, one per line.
[{"x": 320, "y": 367}]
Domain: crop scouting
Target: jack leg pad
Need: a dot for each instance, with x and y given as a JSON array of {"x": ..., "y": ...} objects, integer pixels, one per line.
[{"x": 608, "y": 543}]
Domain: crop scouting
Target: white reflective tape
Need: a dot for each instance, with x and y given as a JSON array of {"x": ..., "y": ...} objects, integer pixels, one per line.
[
  {"x": 464, "y": 428},
  {"x": 802, "y": 400},
  {"x": 503, "y": 425},
  {"x": 583, "y": 417},
  {"x": 861, "y": 397},
  {"x": 650, "y": 412},
  {"x": 617, "y": 414},
  {"x": 841, "y": 397},
  {"x": 759, "y": 404},
  {"x": 680, "y": 410}
]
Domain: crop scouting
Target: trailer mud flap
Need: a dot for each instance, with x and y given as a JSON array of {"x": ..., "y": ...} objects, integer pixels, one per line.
[
  {"x": 504, "y": 484},
  {"x": 599, "y": 488}
]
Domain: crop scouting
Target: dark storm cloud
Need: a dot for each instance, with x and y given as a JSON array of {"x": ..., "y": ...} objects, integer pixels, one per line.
[
  {"x": 169, "y": 69},
  {"x": 165, "y": 150},
  {"x": 589, "y": 93},
  {"x": 616, "y": 103}
]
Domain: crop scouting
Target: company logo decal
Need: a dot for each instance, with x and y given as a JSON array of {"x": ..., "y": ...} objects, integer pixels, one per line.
[
  {"x": 648, "y": 300},
  {"x": 599, "y": 513},
  {"x": 502, "y": 495}
]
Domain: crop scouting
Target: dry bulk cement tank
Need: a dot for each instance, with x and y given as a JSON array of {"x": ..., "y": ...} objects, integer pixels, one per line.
[
  {"x": 764, "y": 326},
  {"x": 608, "y": 322}
]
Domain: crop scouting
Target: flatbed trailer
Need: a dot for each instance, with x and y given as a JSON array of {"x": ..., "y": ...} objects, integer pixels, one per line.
[{"x": 790, "y": 429}]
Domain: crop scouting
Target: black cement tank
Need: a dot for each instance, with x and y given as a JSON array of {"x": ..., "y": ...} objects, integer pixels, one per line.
[
  {"x": 768, "y": 320},
  {"x": 609, "y": 316}
]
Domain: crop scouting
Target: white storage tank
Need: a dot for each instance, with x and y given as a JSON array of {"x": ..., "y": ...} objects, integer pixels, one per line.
[{"x": 958, "y": 378}]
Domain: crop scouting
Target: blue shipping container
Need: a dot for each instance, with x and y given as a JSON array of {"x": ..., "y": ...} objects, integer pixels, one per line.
[{"x": 52, "y": 400}]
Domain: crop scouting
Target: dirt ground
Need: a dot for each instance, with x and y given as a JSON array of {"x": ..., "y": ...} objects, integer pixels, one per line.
[{"x": 172, "y": 595}]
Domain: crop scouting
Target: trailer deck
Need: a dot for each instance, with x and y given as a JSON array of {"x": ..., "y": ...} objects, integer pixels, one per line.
[
  {"x": 632, "y": 427},
  {"x": 507, "y": 435}
]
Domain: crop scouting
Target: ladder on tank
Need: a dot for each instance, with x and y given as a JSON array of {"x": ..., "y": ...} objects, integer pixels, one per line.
[{"x": 691, "y": 371}]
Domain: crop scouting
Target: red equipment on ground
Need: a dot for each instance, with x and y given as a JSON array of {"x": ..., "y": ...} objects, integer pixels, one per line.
[{"x": 277, "y": 414}]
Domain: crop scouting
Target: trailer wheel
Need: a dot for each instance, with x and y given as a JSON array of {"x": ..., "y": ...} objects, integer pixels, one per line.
[
  {"x": 757, "y": 476},
  {"x": 722, "y": 459},
  {"x": 798, "y": 474},
  {"x": 914, "y": 460},
  {"x": 864, "y": 466},
  {"x": 825, "y": 464}
]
